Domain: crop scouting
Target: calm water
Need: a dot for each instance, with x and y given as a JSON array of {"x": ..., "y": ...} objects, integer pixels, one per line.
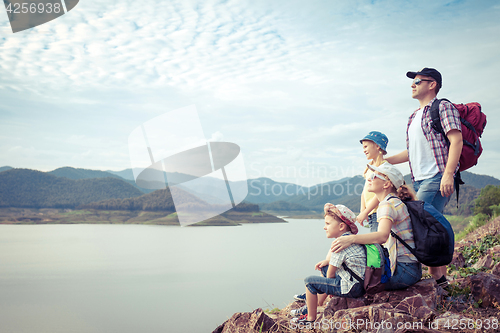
[{"x": 135, "y": 278}]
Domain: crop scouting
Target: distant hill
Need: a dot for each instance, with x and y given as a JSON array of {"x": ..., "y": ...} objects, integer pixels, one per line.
[
  {"x": 478, "y": 181},
  {"x": 74, "y": 173},
  {"x": 78, "y": 173},
  {"x": 5, "y": 168},
  {"x": 161, "y": 200},
  {"x": 125, "y": 174},
  {"x": 265, "y": 190},
  {"x": 266, "y": 193},
  {"x": 36, "y": 189},
  {"x": 465, "y": 202},
  {"x": 347, "y": 192}
]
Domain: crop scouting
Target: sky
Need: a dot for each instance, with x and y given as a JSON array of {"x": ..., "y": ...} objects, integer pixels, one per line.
[{"x": 296, "y": 84}]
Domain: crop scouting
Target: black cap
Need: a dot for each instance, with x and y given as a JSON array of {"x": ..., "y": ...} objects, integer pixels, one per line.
[{"x": 427, "y": 72}]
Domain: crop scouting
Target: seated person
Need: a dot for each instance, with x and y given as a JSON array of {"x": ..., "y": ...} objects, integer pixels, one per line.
[{"x": 339, "y": 221}]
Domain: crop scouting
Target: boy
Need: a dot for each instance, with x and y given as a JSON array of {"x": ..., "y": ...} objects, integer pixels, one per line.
[{"x": 339, "y": 221}]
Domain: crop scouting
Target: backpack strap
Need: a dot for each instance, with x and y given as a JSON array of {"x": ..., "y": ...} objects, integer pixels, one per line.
[
  {"x": 404, "y": 243},
  {"x": 436, "y": 125},
  {"x": 354, "y": 275},
  {"x": 399, "y": 238}
]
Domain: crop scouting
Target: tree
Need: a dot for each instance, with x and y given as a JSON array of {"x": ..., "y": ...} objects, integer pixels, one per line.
[{"x": 490, "y": 196}]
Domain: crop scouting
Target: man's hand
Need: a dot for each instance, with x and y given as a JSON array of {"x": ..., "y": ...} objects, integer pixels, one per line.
[{"x": 447, "y": 185}]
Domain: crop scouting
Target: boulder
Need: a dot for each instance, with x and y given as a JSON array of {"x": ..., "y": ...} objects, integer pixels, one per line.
[
  {"x": 496, "y": 269},
  {"x": 458, "y": 259},
  {"x": 486, "y": 261},
  {"x": 494, "y": 251},
  {"x": 339, "y": 303},
  {"x": 485, "y": 288},
  {"x": 243, "y": 322},
  {"x": 448, "y": 321}
]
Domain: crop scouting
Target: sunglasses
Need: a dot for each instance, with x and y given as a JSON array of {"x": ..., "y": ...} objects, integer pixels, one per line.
[
  {"x": 373, "y": 175},
  {"x": 418, "y": 81}
]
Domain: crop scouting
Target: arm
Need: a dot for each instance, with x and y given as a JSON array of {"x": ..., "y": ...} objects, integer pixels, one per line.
[
  {"x": 331, "y": 272},
  {"x": 372, "y": 204},
  {"x": 361, "y": 217},
  {"x": 323, "y": 263},
  {"x": 379, "y": 237},
  {"x": 455, "y": 149},
  {"x": 398, "y": 158}
]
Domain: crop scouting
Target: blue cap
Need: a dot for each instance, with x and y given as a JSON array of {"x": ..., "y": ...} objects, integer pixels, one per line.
[{"x": 379, "y": 138}]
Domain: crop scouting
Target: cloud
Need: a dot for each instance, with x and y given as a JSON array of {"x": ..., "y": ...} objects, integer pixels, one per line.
[{"x": 291, "y": 82}]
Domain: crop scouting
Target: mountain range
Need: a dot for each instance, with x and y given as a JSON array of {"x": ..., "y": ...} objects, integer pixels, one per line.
[{"x": 69, "y": 187}]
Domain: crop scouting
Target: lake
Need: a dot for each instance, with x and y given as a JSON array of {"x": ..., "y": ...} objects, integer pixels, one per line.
[{"x": 141, "y": 278}]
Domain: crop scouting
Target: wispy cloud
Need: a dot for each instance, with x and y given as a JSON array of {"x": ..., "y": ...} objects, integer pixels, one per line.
[{"x": 290, "y": 82}]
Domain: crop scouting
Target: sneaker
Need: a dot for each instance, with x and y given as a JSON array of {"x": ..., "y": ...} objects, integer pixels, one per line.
[
  {"x": 302, "y": 320},
  {"x": 300, "y": 298},
  {"x": 442, "y": 282},
  {"x": 299, "y": 312}
]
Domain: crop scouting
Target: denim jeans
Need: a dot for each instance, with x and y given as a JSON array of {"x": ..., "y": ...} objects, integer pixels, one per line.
[
  {"x": 428, "y": 190},
  {"x": 372, "y": 222},
  {"x": 323, "y": 285},
  {"x": 405, "y": 275}
]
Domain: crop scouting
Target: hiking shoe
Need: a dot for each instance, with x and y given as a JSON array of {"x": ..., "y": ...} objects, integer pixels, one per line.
[
  {"x": 300, "y": 298},
  {"x": 302, "y": 320},
  {"x": 299, "y": 312},
  {"x": 442, "y": 282}
]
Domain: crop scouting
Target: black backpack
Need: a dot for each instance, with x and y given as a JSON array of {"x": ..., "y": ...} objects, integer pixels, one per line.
[{"x": 432, "y": 233}]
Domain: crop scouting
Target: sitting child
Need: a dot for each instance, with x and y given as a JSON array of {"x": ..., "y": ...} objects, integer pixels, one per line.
[{"x": 339, "y": 221}]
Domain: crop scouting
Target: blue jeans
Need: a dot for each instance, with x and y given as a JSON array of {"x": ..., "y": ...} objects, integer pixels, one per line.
[
  {"x": 323, "y": 285},
  {"x": 405, "y": 275},
  {"x": 372, "y": 222},
  {"x": 428, "y": 190}
]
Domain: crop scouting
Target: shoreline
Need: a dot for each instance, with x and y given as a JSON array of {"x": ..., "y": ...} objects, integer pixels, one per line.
[{"x": 38, "y": 216}]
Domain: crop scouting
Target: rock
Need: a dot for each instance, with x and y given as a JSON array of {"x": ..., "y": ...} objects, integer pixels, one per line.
[
  {"x": 243, "y": 322},
  {"x": 494, "y": 251},
  {"x": 427, "y": 288},
  {"x": 380, "y": 317},
  {"x": 339, "y": 303},
  {"x": 447, "y": 320},
  {"x": 485, "y": 288},
  {"x": 411, "y": 304},
  {"x": 496, "y": 269},
  {"x": 458, "y": 259},
  {"x": 486, "y": 261},
  {"x": 417, "y": 307}
]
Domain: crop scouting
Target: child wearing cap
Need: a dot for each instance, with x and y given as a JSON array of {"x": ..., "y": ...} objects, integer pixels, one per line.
[
  {"x": 386, "y": 182},
  {"x": 374, "y": 147},
  {"x": 339, "y": 221}
]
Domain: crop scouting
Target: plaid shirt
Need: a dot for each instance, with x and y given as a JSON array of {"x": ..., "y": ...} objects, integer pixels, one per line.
[
  {"x": 450, "y": 119},
  {"x": 355, "y": 258},
  {"x": 394, "y": 210}
]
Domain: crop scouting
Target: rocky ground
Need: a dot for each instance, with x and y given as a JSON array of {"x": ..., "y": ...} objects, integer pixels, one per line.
[{"x": 470, "y": 304}]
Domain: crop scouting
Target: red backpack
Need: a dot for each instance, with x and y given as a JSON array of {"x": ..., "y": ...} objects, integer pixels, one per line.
[{"x": 473, "y": 123}]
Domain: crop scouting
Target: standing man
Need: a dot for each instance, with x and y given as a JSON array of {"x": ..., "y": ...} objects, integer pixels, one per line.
[{"x": 432, "y": 163}]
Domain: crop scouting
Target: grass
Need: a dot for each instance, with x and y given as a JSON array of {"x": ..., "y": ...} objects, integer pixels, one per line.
[{"x": 475, "y": 222}]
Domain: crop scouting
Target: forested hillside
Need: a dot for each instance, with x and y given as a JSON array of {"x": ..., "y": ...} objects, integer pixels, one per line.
[{"x": 35, "y": 189}]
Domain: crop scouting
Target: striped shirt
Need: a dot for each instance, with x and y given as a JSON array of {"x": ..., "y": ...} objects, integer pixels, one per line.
[
  {"x": 354, "y": 257},
  {"x": 395, "y": 210},
  {"x": 450, "y": 119}
]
